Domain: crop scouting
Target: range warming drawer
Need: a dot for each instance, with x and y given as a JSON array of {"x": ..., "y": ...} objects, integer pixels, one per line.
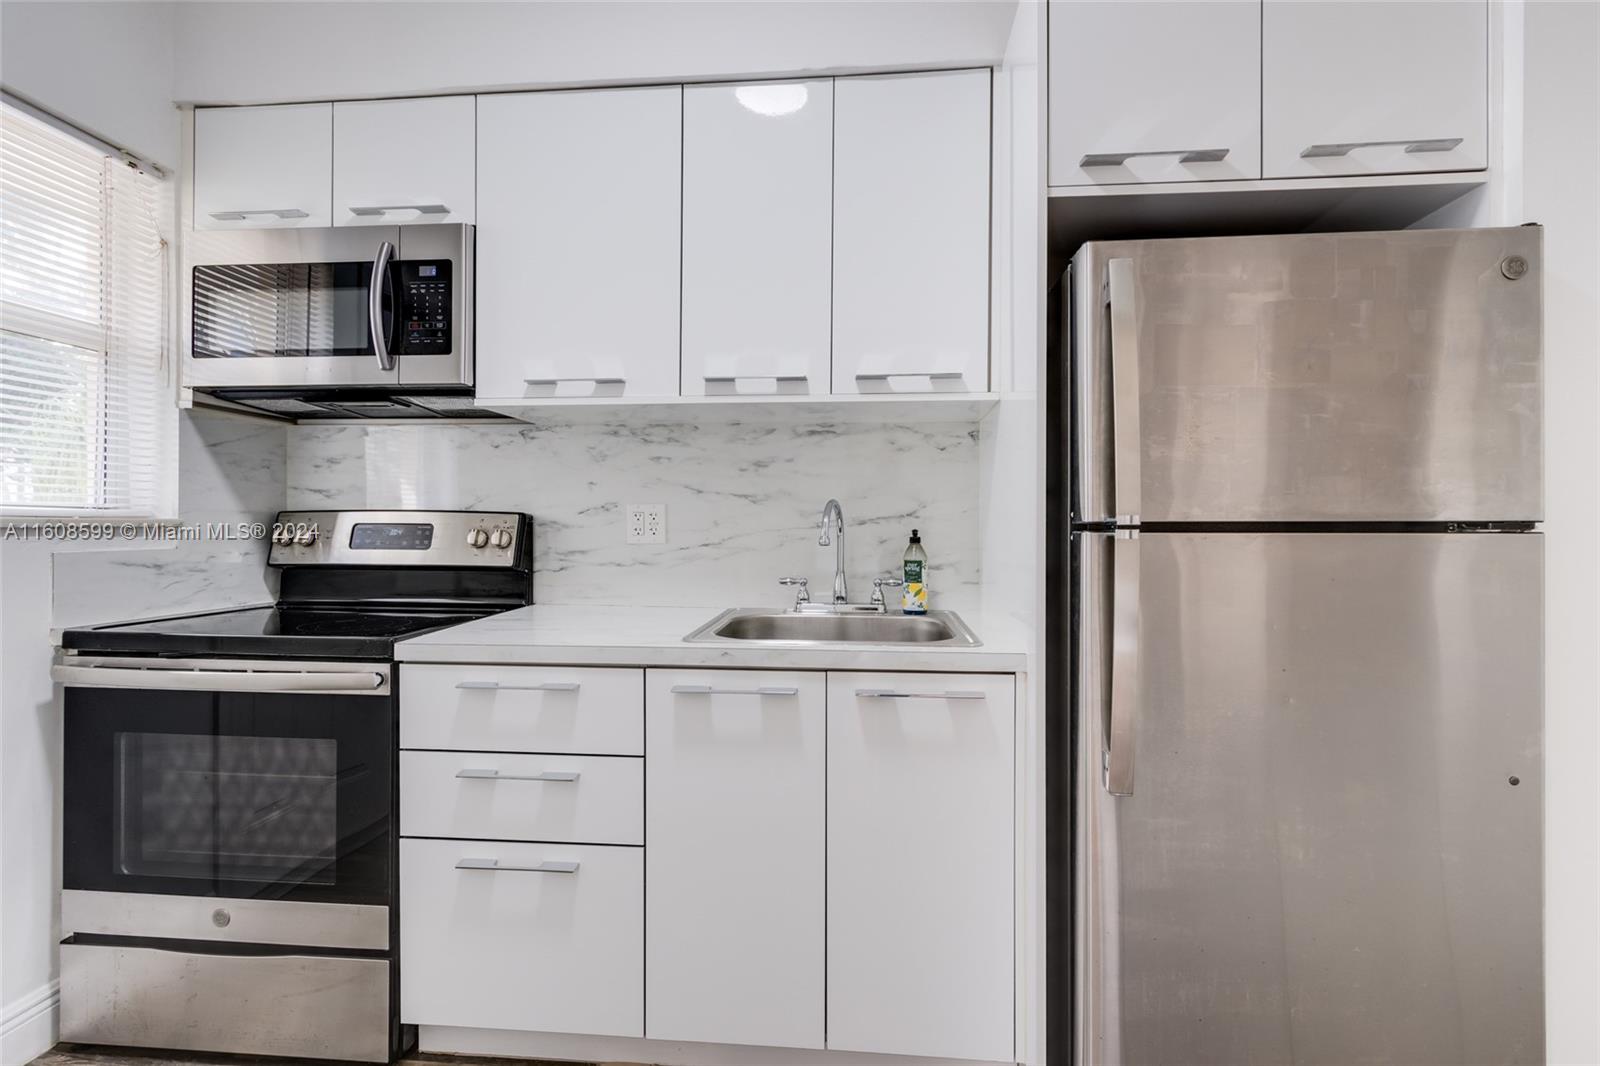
[{"x": 302, "y": 1006}]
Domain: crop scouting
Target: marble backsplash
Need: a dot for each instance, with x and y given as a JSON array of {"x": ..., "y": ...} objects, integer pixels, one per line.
[
  {"x": 231, "y": 470},
  {"x": 742, "y": 500}
]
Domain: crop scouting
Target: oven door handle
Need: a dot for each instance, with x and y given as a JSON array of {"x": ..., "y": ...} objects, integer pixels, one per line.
[{"x": 198, "y": 680}]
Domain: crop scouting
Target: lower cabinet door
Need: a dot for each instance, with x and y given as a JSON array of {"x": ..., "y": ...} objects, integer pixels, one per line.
[
  {"x": 734, "y": 819},
  {"x": 920, "y": 854},
  {"x": 538, "y": 937}
]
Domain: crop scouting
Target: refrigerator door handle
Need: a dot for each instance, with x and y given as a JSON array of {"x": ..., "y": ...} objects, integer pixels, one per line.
[
  {"x": 1123, "y": 364},
  {"x": 1125, "y": 680}
]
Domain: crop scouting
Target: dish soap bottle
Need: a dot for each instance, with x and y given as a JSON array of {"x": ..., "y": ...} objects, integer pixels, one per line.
[{"x": 914, "y": 593}]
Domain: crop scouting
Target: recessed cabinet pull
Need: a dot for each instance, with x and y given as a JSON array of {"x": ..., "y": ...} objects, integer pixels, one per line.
[
  {"x": 493, "y": 866},
  {"x": 896, "y": 694},
  {"x": 543, "y": 686},
  {"x": 240, "y": 216},
  {"x": 707, "y": 690},
  {"x": 563, "y": 381},
  {"x": 1185, "y": 155},
  {"x": 424, "y": 209},
  {"x": 1328, "y": 151},
  {"x": 496, "y": 775}
]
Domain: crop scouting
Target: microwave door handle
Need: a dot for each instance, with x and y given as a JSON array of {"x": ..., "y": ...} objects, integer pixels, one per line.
[{"x": 375, "y": 318}]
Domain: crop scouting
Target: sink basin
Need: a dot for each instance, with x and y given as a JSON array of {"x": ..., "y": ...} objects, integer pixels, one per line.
[{"x": 767, "y": 625}]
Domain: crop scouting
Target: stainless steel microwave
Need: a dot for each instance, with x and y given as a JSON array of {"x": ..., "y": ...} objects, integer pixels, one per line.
[{"x": 370, "y": 309}]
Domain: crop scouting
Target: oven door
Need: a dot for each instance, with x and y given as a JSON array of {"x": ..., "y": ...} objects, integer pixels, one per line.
[
  {"x": 245, "y": 780},
  {"x": 298, "y": 308}
]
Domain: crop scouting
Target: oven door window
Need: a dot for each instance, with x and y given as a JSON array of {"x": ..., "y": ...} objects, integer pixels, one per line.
[
  {"x": 248, "y": 795},
  {"x": 227, "y": 807},
  {"x": 277, "y": 310}
]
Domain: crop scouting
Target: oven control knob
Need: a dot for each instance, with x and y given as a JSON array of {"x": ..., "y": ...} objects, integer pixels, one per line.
[
  {"x": 501, "y": 538},
  {"x": 220, "y": 918},
  {"x": 306, "y": 537},
  {"x": 283, "y": 535},
  {"x": 477, "y": 538}
]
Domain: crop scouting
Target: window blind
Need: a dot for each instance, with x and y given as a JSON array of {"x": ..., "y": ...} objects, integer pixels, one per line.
[{"x": 87, "y": 412}]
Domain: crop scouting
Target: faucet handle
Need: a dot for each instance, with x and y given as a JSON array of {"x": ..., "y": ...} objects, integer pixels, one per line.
[
  {"x": 878, "y": 585},
  {"x": 802, "y": 594}
]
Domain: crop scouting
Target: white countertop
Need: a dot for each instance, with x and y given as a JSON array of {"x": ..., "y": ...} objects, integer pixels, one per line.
[{"x": 653, "y": 636}]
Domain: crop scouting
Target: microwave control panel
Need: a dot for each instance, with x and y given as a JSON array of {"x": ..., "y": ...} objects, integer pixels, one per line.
[{"x": 424, "y": 326}]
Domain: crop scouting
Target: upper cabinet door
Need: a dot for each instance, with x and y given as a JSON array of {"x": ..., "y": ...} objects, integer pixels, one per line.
[
  {"x": 1147, "y": 92},
  {"x": 256, "y": 167},
  {"x": 579, "y": 212},
  {"x": 1370, "y": 88},
  {"x": 404, "y": 161},
  {"x": 911, "y": 233},
  {"x": 757, "y": 237}
]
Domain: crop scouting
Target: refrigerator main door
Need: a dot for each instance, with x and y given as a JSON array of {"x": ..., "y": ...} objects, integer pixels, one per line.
[
  {"x": 1328, "y": 850},
  {"x": 1314, "y": 377}
]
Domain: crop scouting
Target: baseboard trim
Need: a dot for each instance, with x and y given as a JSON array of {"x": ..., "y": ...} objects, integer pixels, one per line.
[
  {"x": 29, "y": 1026},
  {"x": 505, "y": 1043}
]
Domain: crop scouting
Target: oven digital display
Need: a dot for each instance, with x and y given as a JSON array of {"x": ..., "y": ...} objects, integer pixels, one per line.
[
  {"x": 430, "y": 270},
  {"x": 384, "y": 536}
]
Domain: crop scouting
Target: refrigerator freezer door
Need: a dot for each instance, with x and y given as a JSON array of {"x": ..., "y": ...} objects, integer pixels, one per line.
[
  {"x": 1313, "y": 377},
  {"x": 1331, "y": 850}
]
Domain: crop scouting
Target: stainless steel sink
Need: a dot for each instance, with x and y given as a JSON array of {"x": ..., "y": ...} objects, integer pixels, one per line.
[{"x": 768, "y": 625}]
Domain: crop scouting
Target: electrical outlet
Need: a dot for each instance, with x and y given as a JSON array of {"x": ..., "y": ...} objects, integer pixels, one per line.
[{"x": 647, "y": 523}]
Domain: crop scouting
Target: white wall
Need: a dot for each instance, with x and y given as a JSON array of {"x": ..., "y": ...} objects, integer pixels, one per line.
[
  {"x": 105, "y": 66},
  {"x": 257, "y": 52},
  {"x": 1561, "y": 157}
]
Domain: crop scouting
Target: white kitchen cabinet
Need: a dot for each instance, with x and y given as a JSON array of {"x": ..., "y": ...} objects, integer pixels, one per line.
[
  {"x": 1154, "y": 92},
  {"x": 1374, "y": 88},
  {"x": 911, "y": 233},
  {"x": 757, "y": 237},
  {"x": 538, "y": 937},
  {"x": 579, "y": 219},
  {"x": 570, "y": 709},
  {"x": 920, "y": 855},
  {"x": 581, "y": 799},
  {"x": 734, "y": 822},
  {"x": 404, "y": 161},
  {"x": 258, "y": 167}
]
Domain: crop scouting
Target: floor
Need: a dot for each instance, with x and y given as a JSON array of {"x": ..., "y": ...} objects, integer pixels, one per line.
[{"x": 86, "y": 1055}]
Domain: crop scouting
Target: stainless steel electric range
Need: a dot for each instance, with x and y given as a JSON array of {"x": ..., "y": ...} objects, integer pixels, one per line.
[{"x": 230, "y": 831}]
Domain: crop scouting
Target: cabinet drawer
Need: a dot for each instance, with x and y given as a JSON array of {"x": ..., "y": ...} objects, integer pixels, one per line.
[
  {"x": 550, "y": 941},
  {"x": 589, "y": 799},
  {"x": 522, "y": 708}
]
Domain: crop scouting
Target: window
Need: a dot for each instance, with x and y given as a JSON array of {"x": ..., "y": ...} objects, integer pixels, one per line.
[{"x": 87, "y": 412}]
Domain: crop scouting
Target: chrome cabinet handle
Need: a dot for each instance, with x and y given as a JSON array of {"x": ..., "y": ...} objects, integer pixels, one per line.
[
  {"x": 562, "y": 381},
  {"x": 708, "y": 690},
  {"x": 240, "y": 216},
  {"x": 543, "y": 686},
  {"x": 730, "y": 379},
  {"x": 897, "y": 694},
  {"x": 935, "y": 375},
  {"x": 1327, "y": 151},
  {"x": 1185, "y": 155},
  {"x": 380, "y": 275},
  {"x": 1125, "y": 678},
  {"x": 425, "y": 209},
  {"x": 496, "y": 775},
  {"x": 493, "y": 866},
  {"x": 1126, "y": 478},
  {"x": 218, "y": 680}
]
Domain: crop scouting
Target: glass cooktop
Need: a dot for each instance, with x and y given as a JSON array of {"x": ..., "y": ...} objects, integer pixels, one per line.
[{"x": 281, "y": 632}]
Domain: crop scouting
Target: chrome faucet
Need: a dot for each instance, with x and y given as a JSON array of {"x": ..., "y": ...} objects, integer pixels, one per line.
[{"x": 836, "y": 513}]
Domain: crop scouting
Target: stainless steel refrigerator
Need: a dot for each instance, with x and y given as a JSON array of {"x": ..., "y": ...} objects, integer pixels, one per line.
[{"x": 1306, "y": 649}]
